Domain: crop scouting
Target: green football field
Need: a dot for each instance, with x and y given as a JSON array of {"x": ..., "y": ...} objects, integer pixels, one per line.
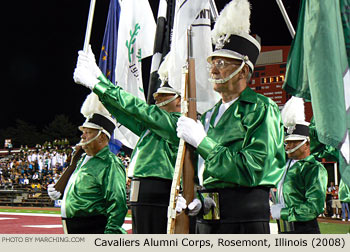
[{"x": 334, "y": 228}]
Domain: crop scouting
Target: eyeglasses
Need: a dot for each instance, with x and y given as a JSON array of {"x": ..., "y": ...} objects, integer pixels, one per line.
[{"x": 219, "y": 64}]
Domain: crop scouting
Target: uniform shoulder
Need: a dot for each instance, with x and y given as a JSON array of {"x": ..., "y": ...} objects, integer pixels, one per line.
[
  {"x": 265, "y": 100},
  {"x": 250, "y": 96},
  {"x": 107, "y": 157},
  {"x": 311, "y": 160}
]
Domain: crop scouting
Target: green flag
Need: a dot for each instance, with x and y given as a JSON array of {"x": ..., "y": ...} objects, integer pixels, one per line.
[{"x": 318, "y": 70}]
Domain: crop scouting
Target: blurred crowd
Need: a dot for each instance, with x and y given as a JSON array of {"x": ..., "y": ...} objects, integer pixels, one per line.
[{"x": 35, "y": 168}]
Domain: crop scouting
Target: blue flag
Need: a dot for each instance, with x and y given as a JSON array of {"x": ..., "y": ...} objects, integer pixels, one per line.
[{"x": 108, "y": 55}]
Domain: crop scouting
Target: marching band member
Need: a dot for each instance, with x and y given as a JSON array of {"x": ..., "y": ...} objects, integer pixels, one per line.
[
  {"x": 302, "y": 190},
  {"x": 94, "y": 200},
  {"x": 240, "y": 140}
]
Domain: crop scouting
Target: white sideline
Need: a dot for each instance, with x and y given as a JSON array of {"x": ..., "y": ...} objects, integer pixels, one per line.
[{"x": 31, "y": 214}]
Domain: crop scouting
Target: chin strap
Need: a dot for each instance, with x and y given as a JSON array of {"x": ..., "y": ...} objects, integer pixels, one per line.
[
  {"x": 161, "y": 104},
  {"x": 220, "y": 81},
  {"x": 91, "y": 140},
  {"x": 297, "y": 147}
]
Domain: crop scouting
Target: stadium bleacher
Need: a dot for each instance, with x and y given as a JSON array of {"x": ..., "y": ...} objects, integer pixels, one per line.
[{"x": 26, "y": 172}]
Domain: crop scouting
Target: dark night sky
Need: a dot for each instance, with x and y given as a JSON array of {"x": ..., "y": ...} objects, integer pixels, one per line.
[{"x": 40, "y": 51}]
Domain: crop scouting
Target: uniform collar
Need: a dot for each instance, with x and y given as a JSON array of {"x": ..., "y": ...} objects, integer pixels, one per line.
[
  {"x": 248, "y": 95},
  {"x": 102, "y": 153},
  {"x": 310, "y": 159}
]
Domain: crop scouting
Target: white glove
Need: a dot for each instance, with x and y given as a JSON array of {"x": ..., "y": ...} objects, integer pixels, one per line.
[
  {"x": 276, "y": 211},
  {"x": 180, "y": 204},
  {"x": 87, "y": 59},
  {"x": 208, "y": 204},
  {"x": 194, "y": 207},
  {"x": 86, "y": 71},
  {"x": 191, "y": 131},
  {"x": 53, "y": 194},
  {"x": 84, "y": 77}
]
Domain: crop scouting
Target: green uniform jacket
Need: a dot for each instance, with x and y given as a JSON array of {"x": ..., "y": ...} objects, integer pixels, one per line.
[
  {"x": 156, "y": 152},
  {"x": 344, "y": 192},
  {"x": 245, "y": 148},
  {"x": 98, "y": 188},
  {"x": 304, "y": 190}
]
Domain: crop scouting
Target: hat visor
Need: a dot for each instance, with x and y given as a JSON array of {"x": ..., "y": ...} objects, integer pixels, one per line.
[
  {"x": 94, "y": 126},
  {"x": 165, "y": 90},
  {"x": 228, "y": 54},
  {"x": 225, "y": 53},
  {"x": 90, "y": 126}
]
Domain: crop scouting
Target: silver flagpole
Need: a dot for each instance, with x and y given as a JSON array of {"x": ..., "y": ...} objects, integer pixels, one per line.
[
  {"x": 286, "y": 18},
  {"x": 89, "y": 25},
  {"x": 213, "y": 10}
]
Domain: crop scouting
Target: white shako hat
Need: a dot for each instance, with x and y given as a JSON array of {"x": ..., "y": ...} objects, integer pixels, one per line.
[
  {"x": 165, "y": 87},
  {"x": 230, "y": 35},
  {"x": 97, "y": 116},
  {"x": 293, "y": 117}
]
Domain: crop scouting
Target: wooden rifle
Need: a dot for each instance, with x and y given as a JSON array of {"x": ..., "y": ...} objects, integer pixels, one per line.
[
  {"x": 63, "y": 180},
  {"x": 185, "y": 165}
]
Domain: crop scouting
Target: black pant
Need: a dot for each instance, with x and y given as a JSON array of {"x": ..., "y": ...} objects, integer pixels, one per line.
[
  {"x": 259, "y": 227},
  {"x": 149, "y": 219},
  {"x": 86, "y": 225},
  {"x": 305, "y": 227},
  {"x": 153, "y": 220},
  {"x": 149, "y": 212},
  {"x": 243, "y": 210}
]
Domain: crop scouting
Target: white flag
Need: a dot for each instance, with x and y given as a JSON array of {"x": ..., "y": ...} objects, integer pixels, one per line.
[
  {"x": 197, "y": 14},
  {"x": 135, "y": 41}
]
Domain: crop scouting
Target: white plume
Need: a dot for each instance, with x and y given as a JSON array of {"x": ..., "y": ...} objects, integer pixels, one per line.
[
  {"x": 93, "y": 105},
  {"x": 164, "y": 68},
  {"x": 233, "y": 19},
  {"x": 293, "y": 112}
]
